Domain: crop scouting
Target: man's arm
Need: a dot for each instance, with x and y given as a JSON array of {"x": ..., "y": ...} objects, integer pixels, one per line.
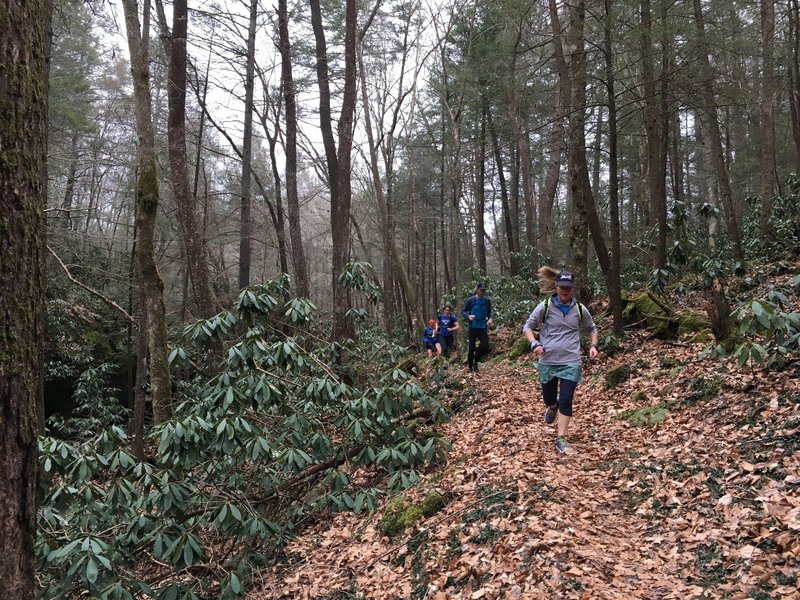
[{"x": 467, "y": 305}]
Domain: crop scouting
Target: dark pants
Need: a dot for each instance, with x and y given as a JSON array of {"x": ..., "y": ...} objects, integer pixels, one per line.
[
  {"x": 475, "y": 355},
  {"x": 562, "y": 397},
  {"x": 446, "y": 342}
]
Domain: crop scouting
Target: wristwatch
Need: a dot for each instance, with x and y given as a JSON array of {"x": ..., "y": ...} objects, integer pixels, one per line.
[{"x": 535, "y": 344}]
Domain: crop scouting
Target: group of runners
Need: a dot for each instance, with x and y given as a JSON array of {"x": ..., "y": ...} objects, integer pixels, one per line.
[{"x": 553, "y": 330}]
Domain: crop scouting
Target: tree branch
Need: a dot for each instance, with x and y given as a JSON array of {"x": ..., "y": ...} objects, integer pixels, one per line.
[{"x": 108, "y": 301}]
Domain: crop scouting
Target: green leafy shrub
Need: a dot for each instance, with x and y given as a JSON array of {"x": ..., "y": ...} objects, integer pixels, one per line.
[
  {"x": 96, "y": 406},
  {"x": 276, "y": 435}
]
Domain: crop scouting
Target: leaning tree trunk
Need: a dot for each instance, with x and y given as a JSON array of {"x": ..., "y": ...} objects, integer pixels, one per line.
[
  {"x": 147, "y": 199},
  {"x": 24, "y": 47}
]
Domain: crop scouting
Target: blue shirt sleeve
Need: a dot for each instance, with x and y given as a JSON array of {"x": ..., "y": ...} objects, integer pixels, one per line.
[{"x": 467, "y": 305}]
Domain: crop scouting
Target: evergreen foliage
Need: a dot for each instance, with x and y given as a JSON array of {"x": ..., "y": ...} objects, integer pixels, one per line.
[{"x": 272, "y": 439}]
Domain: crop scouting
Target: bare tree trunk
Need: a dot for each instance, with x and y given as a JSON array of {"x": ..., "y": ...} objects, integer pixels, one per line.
[
  {"x": 654, "y": 135},
  {"x": 793, "y": 68},
  {"x": 767, "y": 113},
  {"x": 614, "y": 281},
  {"x": 193, "y": 242},
  {"x": 399, "y": 268},
  {"x": 508, "y": 226},
  {"x": 715, "y": 138},
  {"x": 338, "y": 162},
  {"x": 24, "y": 49},
  {"x": 299, "y": 264},
  {"x": 247, "y": 152},
  {"x": 557, "y": 135},
  {"x": 480, "y": 195},
  {"x": 521, "y": 137},
  {"x": 579, "y": 176},
  {"x": 147, "y": 199}
]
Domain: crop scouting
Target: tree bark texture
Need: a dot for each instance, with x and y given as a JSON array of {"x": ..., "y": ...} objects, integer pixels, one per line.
[
  {"x": 24, "y": 47},
  {"x": 299, "y": 265},
  {"x": 614, "y": 283},
  {"x": 557, "y": 135},
  {"x": 398, "y": 267},
  {"x": 147, "y": 199},
  {"x": 194, "y": 243},
  {"x": 246, "y": 226},
  {"x": 654, "y": 137},
  {"x": 715, "y": 137},
  {"x": 338, "y": 161},
  {"x": 578, "y": 169},
  {"x": 767, "y": 106}
]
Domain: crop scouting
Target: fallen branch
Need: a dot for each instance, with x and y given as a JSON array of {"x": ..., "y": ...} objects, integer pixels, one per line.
[{"x": 108, "y": 301}]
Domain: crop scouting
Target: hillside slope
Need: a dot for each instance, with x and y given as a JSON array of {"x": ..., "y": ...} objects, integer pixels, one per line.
[{"x": 685, "y": 482}]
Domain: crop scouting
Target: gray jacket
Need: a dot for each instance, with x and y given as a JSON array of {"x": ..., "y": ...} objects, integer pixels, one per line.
[{"x": 560, "y": 334}]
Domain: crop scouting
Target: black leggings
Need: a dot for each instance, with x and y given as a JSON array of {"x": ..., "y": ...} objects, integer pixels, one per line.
[
  {"x": 475, "y": 355},
  {"x": 446, "y": 342},
  {"x": 552, "y": 395}
]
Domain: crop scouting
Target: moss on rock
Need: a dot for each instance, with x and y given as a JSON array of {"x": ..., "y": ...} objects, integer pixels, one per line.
[
  {"x": 617, "y": 375},
  {"x": 520, "y": 348},
  {"x": 400, "y": 513}
]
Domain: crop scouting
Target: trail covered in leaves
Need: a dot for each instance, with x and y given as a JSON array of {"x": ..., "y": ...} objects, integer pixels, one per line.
[{"x": 684, "y": 482}]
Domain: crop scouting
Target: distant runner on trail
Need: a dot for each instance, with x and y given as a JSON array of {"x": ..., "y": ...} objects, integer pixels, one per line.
[
  {"x": 559, "y": 347},
  {"x": 447, "y": 324},
  {"x": 429, "y": 338},
  {"x": 478, "y": 311}
]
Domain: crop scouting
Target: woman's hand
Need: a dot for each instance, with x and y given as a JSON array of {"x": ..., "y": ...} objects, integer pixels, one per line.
[{"x": 593, "y": 352}]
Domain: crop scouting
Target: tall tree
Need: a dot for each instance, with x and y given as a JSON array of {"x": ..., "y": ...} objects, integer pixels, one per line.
[
  {"x": 147, "y": 200},
  {"x": 193, "y": 241},
  {"x": 557, "y": 135},
  {"x": 614, "y": 283},
  {"x": 655, "y": 139},
  {"x": 713, "y": 130},
  {"x": 767, "y": 106},
  {"x": 287, "y": 82},
  {"x": 338, "y": 160},
  {"x": 398, "y": 267},
  {"x": 24, "y": 48},
  {"x": 246, "y": 226},
  {"x": 578, "y": 169}
]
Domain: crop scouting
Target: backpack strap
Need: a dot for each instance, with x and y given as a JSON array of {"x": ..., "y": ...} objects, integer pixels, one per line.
[{"x": 547, "y": 310}]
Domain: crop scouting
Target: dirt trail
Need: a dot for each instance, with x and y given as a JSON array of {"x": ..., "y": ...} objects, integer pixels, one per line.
[{"x": 635, "y": 512}]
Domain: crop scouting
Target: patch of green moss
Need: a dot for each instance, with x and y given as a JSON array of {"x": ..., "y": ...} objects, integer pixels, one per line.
[
  {"x": 645, "y": 417},
  {"x": 400, "y": 514},
  {"x": 695, "y": 327},
  {"x": 639, "y": 396},
  {"x": 520, "y": 348},
  {"x": 617, "y": 375}
]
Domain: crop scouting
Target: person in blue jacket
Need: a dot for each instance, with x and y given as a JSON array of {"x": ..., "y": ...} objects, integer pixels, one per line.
[
  {"x": 429, "y": 338},
  {"x": 447, "y": 323},
  {"x": 478, "y": 312}
]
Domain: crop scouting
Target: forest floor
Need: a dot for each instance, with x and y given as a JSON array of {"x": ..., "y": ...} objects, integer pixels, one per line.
[{"x": 684, "y": 483}]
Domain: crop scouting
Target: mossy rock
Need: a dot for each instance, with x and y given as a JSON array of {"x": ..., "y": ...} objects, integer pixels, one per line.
[
  {"x": 617, "y": 375},
  {"x": 520, "y": 348},
  {"x": 642, "y": 307},
  {"x": 400, "y": 514},
  {"x": 695, "y": 327}
]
